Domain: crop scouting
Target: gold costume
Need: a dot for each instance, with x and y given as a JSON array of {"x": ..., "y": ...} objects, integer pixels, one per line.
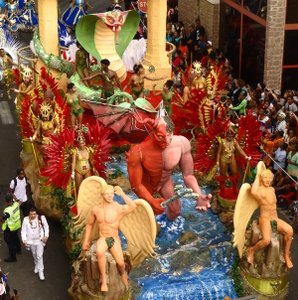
[
  {"x": 228, "y": 151},
  {"x": 82, "y": 163}
]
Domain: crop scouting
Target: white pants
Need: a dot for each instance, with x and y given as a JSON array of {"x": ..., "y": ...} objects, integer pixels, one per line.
[{"x": 37, "y": 252}]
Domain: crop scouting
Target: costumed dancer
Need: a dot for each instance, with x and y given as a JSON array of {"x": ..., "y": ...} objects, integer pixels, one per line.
[
  {"x": 73, "y": 100},
  {"x": 11, "y": 12},
  {"x": 25, "y": 87},
  {"x": 76, "y": 10},
  {"x": 167, "y": 95},
  {"x": 46, "y": 125},
  {"x": 81, "y": 161},
  {"x": 28, "y": 15},
  {"x": 82, "y": 64},
  {"x": 6, "y": 65}
]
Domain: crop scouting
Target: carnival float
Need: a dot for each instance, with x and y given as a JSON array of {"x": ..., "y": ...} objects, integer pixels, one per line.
[{"x": 87, "y": 122}]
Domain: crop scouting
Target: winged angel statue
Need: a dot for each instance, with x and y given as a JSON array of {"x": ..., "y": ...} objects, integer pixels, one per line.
[{"x": 101, "y": 217}]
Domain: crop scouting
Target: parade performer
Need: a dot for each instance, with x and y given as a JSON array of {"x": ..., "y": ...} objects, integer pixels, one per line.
[
  {"x": 76, "y": 10},
  {"x": 167, "y": 95},
  {"x": 35, "y": 234},
  {"x": 136, "y": 82},
  {"x": 6, "y": 65},
  {"x": 82, "y": 64},
  {"x": 226, "y": 158},
  {"x": 219, "y": 152},
  {"x": 109, "y": 79},
  {"x": 98, "y": 209},
  {"x": 12, "y": 14},
  {"x": 75, "y": 161},
  {"x": 47, "y": 124},
  {"x": 28, "y": 15},
  {"x": 150, "y": 165},
  {"x": 76, "y": 110},
  {"x": 25, "y": 86},
  {"x": 81, "y": 161}
]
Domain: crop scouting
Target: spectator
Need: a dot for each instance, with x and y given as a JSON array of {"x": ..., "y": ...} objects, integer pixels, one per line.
[
  {"x": 280, "y": 156},
  {"x": 200, "y": 32},
  {"x": 18, "y": 188},
  {"x": 35, "y": 234},
  {"x": 293, "y": 160},
  {"x": 281, "y": 124},
  {"x": 11, "y": 219},
  {"x": 241, "y": 108},
  {"x": 290, "y": 105}
]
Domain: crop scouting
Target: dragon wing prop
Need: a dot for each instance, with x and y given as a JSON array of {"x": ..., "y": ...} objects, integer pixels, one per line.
[
  {"x": 89, "y": 196},
  {"x": 126, "y": 122},
  {"x": 245, "y": 206},
  {"x": 139, "y": 228}
]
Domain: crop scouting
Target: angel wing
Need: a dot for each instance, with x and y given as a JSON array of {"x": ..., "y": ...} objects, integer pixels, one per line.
[
  {"x": 89, "y": 196},
  {"x": 139, "y": 228},
  {"x": 245, "y": 206}
]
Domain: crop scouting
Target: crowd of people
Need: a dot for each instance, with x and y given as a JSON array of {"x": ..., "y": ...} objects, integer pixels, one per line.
[{"x": 276, "y": 111}]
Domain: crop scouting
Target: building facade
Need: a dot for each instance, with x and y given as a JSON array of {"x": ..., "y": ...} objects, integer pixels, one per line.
[{"x": 259, "y": 37}]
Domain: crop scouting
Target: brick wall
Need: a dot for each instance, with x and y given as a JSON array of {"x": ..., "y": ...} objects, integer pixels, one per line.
[
  {"x": 209, "y": 14},
  {"x": 274, "y": 45},
  {"x": 207, "y": 10},
  {"x": 188, "y": 11}
]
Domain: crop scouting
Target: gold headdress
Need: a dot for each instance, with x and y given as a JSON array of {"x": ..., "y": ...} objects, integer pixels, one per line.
[
  {"x": 46, "y": 110},
  {"x": 26, "y": 72},
  {"x": 197, "y": 67},
  {"x": 80, "y": 137}
]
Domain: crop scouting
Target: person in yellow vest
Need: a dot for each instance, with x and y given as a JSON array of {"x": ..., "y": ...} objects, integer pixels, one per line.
[{"x": 11, "y": 219}]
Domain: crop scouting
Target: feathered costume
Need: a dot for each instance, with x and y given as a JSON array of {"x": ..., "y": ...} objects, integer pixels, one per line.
[
  {"x": 248, "y": 138},
  {"x": 58, "y": 154}
]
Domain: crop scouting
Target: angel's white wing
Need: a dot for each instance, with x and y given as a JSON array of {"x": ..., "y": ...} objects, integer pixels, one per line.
[
  {"x": 139, "y": 229},
  {"x": 89, "y": 195},
  {"x": 245, "y": 206}
]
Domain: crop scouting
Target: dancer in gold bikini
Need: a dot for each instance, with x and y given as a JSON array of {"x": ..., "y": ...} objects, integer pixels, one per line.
[
  {"x": 226, "y": 154},
  {"x": 81, "y": 166},
  {"x": 47, "y": 125}
]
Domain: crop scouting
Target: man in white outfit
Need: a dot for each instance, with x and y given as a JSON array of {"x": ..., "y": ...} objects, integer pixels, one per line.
[
  {"x": 18, "y": 189},
  {"x": 35, "y": 234}
]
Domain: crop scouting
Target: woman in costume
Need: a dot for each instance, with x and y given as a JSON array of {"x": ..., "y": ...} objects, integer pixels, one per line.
[
  {"x": 167, "y": 95},
  {"x": 81, "y": 165},
  {"x": 227, "y": 149},
  {"x": 82, "y": 64},
  {"x": 46, "y": 124},
  {"x": 76, "y": 10},
  {"x": 28, "y": 15},
  {"x": 11, "y": 12},
  {"x": 137, "y": 81},
  {"x": 25, "y": 87},
  {"x": 76, "y": 111}
]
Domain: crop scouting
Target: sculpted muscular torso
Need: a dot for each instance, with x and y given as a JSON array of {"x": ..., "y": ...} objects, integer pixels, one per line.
[
  {"x": 265, "y": 195},
  {"x": 150, "y": 166},
  {"x": 108, "y": 216}
]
